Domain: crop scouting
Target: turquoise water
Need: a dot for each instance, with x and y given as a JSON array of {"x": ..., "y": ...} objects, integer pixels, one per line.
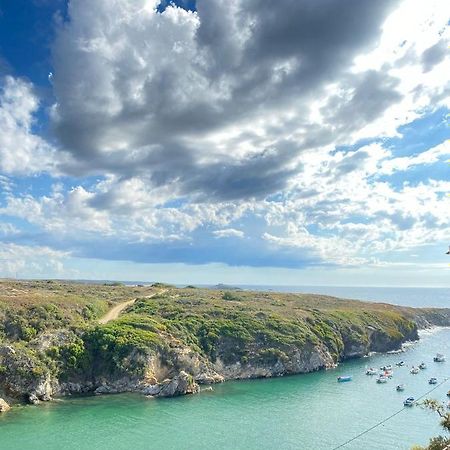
[{"x": 310, "y": 411}]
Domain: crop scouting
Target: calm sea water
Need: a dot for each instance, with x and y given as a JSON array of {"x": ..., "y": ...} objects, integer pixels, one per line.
[{"x": 310, "y": 411}]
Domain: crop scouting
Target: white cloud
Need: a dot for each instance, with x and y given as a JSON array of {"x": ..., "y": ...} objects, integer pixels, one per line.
[
  {"x": 21, "y": 150},
  {"x": 428, "y": 157},
  {"x": 228, "y": 232},
  {"x": 195, "y": 120},
  {"x": 7, "y": 229},
  {"x": 29, "y": 261}
]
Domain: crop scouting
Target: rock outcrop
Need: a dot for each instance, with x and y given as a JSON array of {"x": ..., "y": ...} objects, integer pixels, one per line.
[
  {"x": 4, "y": 406},
  {"x": 181, "y": 384},
  {"x": 25, "y": 377}
]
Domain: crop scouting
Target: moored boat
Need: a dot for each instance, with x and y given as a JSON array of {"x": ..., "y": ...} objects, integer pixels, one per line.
[
  {"x": 382, "y": 379},
  {"x": 371, "y": 371},
  {"x": 422, "y": 366},
  {"x": 414, "y": 370},
  {"x": 439, "y": 357},
  {"x": 400, "y": 387},
  {"x": 400, "y": 363},
  {"x": 432, "y": 380},
  {"x": 409, "y": 401},
  {"x": 344, "y": 378}
]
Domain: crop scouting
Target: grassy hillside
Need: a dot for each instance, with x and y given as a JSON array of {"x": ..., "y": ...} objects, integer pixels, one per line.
[{"x": 51, "y": 341}]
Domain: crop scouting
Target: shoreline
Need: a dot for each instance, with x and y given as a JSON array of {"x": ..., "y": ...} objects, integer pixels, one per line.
[
  {"x": 169, "y": 341},
  {"x": 210, "y": 388}
]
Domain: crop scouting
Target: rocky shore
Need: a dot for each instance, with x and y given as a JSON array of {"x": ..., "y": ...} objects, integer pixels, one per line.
[{"x": 171, "y": 345}]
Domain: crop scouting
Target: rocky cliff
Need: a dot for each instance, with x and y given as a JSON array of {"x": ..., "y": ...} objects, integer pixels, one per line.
[{"x": 169, "y": 344}]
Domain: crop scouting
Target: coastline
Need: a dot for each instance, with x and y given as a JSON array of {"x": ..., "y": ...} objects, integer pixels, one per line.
[
  {"x": 263, "y": 414},
  {"x": 171, "y": 341}
]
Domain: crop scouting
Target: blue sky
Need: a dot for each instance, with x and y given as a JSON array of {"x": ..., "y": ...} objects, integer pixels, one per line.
[{"x": 211, "y": 141}]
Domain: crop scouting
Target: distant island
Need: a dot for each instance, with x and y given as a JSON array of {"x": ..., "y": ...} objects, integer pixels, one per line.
[
  {"x": 60, "y": 338},
  {"x": 227, "y": 287}
]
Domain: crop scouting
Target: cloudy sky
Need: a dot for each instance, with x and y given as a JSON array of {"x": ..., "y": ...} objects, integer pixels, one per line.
[{"x": 238, "y": 141}]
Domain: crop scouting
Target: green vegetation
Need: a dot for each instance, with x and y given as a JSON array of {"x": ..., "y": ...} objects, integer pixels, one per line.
[{"x": 51, "y": 329}]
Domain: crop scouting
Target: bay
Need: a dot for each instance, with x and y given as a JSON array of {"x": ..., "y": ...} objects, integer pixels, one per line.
[{"x": 309, "y": 411}]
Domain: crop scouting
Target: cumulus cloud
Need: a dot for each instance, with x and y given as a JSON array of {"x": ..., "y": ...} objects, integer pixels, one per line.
[
  {"x": 434, "y": 55},
  {"x": 21, "y": 150},
  {"x": 162, "y": 93},
  {"x": 236, "y": 116}
]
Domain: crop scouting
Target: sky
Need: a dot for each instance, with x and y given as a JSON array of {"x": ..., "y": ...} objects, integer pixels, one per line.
[{"x": 239, "y": 142}]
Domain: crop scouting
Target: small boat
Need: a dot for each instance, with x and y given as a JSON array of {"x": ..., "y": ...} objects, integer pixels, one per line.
[
  {"x": 388, "y": 373},
  {"x": 371, "y": 371},
  {"x": 414, "y": 371},
  {"x": 432, "y": 380},
  {"x": 439, "y": 357},
  {"x": 344, "y": 378},
  {"x": 448, "y": 394},
  {"x": 400, "y": 387},
  {"x": 400, "y": 363},
  {"x": 382, "y": 379},
  {"x": 448, "y": 405},
  {"x": 422, "y": 366},
  {"x": 409, "y": 401},
  {"x": 385, "y": 368}
]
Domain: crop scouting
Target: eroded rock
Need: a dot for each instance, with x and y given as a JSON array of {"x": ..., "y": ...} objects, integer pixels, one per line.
[
  {"x": 4, "y": 406},
  {"x": 182, "y": 384}
]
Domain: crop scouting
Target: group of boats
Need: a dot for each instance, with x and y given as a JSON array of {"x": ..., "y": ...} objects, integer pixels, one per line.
[
  {"x": 386, "y": 372},
  {"x": 384, "y": 375}
]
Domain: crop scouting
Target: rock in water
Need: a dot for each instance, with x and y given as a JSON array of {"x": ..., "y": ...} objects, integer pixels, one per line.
[
  {"x": 4, "y": 406},
  {"x": 182, "y": 384},
  {"x": 33, "y": 399}
]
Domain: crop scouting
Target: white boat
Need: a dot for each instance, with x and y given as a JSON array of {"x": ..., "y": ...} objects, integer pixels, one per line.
[
  {"x": 400, "y": 387},
  {"x": 439, "y": 357},
  {"x": 422, "y": 366},
  {"x": 371, "y": 371},
  {"x": 382, "y": 379},
  {"x": 400, "y": 363},
  {"x": 344, "y": 378},
  {"x": 386, "y": 368},
  {"x": 414, "y": 371},
  {"x": 432, "y": 380},
  {"x": 409, "y": 401}
]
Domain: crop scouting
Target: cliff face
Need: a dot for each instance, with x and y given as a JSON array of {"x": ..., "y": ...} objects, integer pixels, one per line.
[
  {"x": 173, "y": 369},
  {"x": 431, "y": 317},
  {"x": 171, "y": 344}
]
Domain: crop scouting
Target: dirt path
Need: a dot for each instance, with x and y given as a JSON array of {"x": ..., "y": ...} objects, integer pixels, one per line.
[{"x": 115, "y": 311}]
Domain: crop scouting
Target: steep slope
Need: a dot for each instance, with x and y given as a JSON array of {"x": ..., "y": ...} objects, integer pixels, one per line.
[{"x": 168, "y": 341}]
